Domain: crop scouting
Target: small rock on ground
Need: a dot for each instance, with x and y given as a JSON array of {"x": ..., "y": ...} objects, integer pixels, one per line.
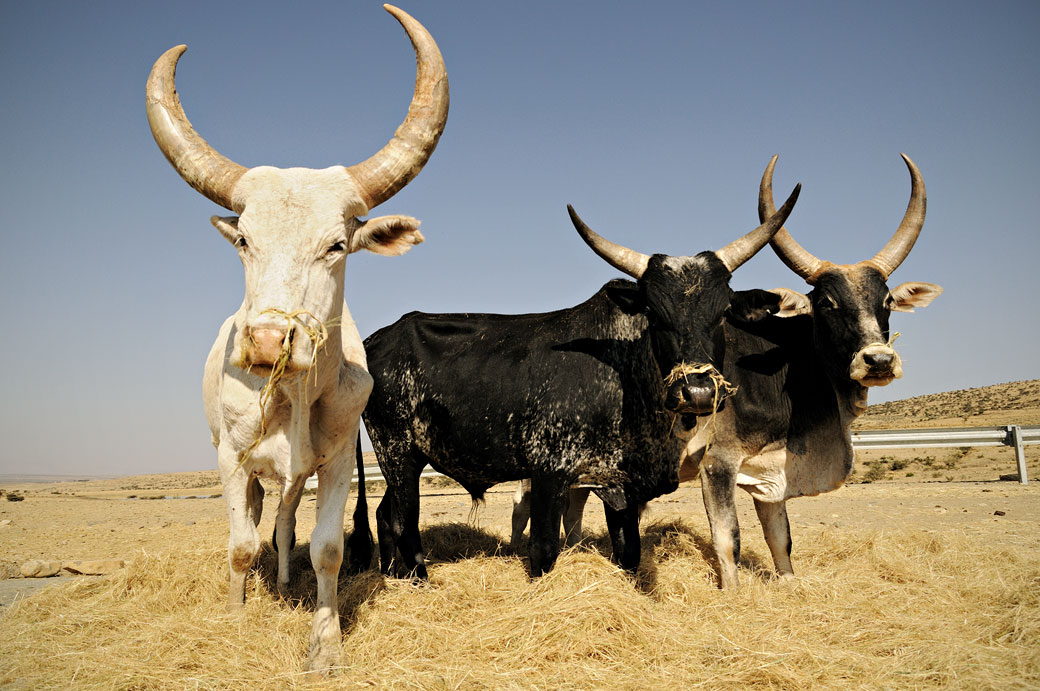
[{"x": 39, "y": 568}]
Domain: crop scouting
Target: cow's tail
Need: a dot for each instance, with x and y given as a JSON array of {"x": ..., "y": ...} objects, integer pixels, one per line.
[{"x": 360, "y": 542}]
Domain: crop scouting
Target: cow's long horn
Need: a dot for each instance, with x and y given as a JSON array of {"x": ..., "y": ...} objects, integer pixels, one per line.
[
  {"x": 394, "y": 166},
  {"x": 798, "y": 259},
  {"x": 740, "y": 250},
  {"x": 897, "y": 249},
  {"x": 201, "y": 166},
  {"x": 621, "y": 258}
]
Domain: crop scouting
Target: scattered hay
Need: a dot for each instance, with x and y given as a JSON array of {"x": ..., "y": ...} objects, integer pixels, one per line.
[{"x": 900, "y": 609}]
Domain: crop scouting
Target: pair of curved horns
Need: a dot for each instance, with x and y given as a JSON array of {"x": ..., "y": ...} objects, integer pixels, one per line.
[
  {"x": 808, "y": 266},
  {"x": 378, "y": 178},
  {"x": 732, "y": 255}
]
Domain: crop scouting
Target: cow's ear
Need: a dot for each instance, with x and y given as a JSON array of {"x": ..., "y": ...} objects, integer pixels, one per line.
[
  {"x": 626, "y": 295},
  {"x": 387, "y": 235},
  {"x": 228, "y": 227},
  {"x": 792, "y": 303},
  {"x": 906, "y": 296},
  {"x": 753, "y": 305}
]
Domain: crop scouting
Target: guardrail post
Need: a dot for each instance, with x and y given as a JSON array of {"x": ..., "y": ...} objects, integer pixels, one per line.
[{"x": 1014, "y": 438}]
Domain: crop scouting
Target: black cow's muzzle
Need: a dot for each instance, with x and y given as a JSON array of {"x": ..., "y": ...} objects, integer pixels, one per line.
[{"x": 695, "y": 393}]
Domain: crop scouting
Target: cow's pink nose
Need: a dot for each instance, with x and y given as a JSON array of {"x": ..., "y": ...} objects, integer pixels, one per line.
[{"x": 267, "y": 345}]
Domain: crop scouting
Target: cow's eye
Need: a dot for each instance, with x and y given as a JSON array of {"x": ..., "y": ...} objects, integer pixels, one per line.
[
  {"x": 336, "y": 248},
  {"x": 829, "y": 303},
  {"x": 241, "y": 243}
]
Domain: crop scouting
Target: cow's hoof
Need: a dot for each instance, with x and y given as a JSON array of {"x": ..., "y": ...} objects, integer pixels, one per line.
[
  {"x": 236, "y": 608},
  {"x": 323, "y": 660},
  {"x": 283, "y": 590}
]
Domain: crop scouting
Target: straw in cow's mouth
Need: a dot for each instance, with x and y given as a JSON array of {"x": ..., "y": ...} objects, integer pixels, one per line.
[
  {"x": 318, "y": 333},
  {"x": 723, "y": 389}
]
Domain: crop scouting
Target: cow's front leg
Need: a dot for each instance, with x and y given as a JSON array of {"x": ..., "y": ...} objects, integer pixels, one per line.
[
  {"x": 777, "y": 529},
  {"x": 243, "y": 538},
  {"x": 285, "y": 532},
  {"x": 255, "y": 498},
  {"x": 623, "y": 527},
  {"x": 548, "y": 495},
  {"x": 326, "y": 557},
  {"x": 718, "y": 488}
]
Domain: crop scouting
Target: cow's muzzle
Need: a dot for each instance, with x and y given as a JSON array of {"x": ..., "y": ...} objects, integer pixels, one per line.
[
  {"x": 695, "y": 390},
  {"x": 282, "y": 341},
  {"x": 266, "y": 345},
  {"x": 876, "y": 365}
]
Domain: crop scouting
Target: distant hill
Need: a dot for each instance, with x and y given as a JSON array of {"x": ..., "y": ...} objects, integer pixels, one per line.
[{"x": 1014, "y": 403}]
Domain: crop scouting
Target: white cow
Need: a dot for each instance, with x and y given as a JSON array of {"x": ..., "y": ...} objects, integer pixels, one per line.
[{"x": 286, "y": 380}]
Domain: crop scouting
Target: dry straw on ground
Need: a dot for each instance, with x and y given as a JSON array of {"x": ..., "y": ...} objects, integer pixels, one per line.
[{"x": 901, "y": 609}]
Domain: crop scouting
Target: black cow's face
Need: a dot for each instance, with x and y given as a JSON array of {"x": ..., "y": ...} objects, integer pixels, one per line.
[
  {"x": 851, "y": 306},
  {"x": 686, "y": 300}
]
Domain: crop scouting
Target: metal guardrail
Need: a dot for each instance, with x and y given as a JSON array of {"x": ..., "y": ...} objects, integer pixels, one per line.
[
  {"x": 1015, "y": 436},
  {"x": 372, "y": 472}
]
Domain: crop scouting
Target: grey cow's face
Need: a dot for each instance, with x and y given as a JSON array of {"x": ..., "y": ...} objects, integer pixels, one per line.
[
  {"x": 851, "y": 306},
  {"x": 851, "y": 309}
]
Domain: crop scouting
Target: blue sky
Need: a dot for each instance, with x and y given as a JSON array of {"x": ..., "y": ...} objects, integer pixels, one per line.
[{"x": 655, "y": 121}]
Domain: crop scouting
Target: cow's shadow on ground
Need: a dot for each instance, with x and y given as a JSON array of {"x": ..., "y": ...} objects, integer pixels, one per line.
[
  {"x": 353, "y": 589},
  {"x": 664, "y": 538},
  {"x": 447, "y": 542},
  {"x": 453, "y": 542},
  {"x": 660, "y": 539},
  {"x": 450, "y": 542}
]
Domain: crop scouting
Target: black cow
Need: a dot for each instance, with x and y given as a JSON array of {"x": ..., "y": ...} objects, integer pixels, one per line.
[
  {"x": 803, "y": 376},
  {"x": 595, "y": 394}
]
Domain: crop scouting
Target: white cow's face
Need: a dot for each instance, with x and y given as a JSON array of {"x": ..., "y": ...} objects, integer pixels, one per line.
[{"x": 296, "y": 228}]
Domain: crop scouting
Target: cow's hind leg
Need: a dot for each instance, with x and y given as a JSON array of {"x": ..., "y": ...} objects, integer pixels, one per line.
[
  {"x": 521, "y": 513},
  {"x": 573, "y": 513},
  {"x": 718, "y": 486},
  {"x": 547, "y": 498},
  {"x": 623, "y": 527},
  {"x": 777, "y": 529},
  {"x": 284, "y": 537},
  {"x": 255, "y": 499}
]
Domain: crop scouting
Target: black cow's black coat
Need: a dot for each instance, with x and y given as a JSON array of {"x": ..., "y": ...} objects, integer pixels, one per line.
[
  {"x": 568, "y": 396},
  {"x": 573, "y": 396}
]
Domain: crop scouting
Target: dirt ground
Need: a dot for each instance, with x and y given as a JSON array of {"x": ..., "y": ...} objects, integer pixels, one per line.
[{"x": 116, "y": 519}]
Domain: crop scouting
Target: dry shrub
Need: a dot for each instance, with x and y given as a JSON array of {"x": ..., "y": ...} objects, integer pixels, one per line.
[{"x": 896, "y": 609}]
